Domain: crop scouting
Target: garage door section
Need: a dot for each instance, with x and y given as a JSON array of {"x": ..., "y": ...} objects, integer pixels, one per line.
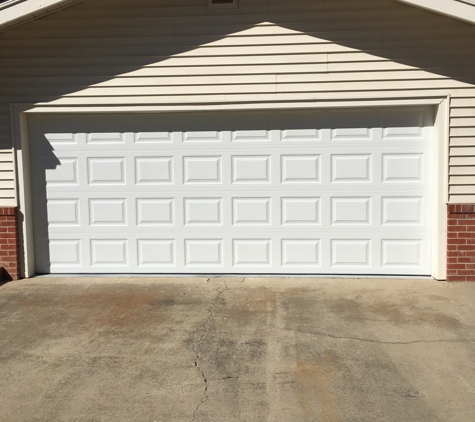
[{"x": 298, "y": 192}]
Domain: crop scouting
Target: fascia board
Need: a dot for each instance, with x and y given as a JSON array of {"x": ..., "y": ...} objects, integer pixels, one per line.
[
  {"x": 14, "y": 12},
  {"x": 458, "y": 9}
]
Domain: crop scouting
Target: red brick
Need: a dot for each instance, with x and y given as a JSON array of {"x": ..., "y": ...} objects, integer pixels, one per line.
[
  {"x": 456, "y": 228},
  {"x": 466, "y": 272},
  {"x": 466, "y": 247},
  {"x": 451, "y": 208},
  {"x": 466, "y": 235},
  {"x": 458, "y": 241},
  {"x": 456, "y": 266},
  {"x": 470, "y": 278},
  {"x": 457, "y": 279},
  {"x": 466, "y": 260}
]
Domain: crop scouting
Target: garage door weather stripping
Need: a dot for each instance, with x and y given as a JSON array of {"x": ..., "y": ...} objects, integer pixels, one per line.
[{"x": 289, "y": 192}]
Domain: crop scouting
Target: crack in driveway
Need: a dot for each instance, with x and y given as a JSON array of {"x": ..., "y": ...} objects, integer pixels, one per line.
[
  {"x": 322, "y": 334},
  {"x": 196, "y": 348}
]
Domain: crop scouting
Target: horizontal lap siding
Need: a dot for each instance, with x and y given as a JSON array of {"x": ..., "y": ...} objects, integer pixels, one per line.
[
  {"x": 462, "y": 150},
  {"x": 179, "y": 54}
]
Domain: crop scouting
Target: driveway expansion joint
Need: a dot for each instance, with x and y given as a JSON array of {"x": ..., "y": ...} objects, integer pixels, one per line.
[{"x": 196, "y": 348}]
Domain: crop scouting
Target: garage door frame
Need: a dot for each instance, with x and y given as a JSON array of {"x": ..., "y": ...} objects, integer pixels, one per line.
[{"x": 440, "y": 165}]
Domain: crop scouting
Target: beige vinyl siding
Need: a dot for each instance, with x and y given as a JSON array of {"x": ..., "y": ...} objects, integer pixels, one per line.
[
  {"x": 179, "y": 54},
  {"x": 462, "y": 150},
  {"x": 7, "y": 183}
]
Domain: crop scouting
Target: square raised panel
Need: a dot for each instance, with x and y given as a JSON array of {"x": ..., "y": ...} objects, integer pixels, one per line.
[
  {"x": 301, "y": 135},
  {"x": 351, "y": 210},
  {"x": 251, "y": 136},
  {"x": 251, "y": 211},
  {"x": 349, "y": 126},
  {"x": 401, "y": 210},
  {"x": 63, "y": 212},
  {"x": 351, "y": 134},
  {"x": 354, "y": 253},
  {"x": 402, "y": 253},
  {"x": 156, "y": 252},
  {"x": 251, "y": 252},
  {"x": 251, "y": 169},
  {"x": 300, "y": 252},
  {"x": 300, "y": 168},
  {"x": 402, "y": 167},
  {"x": 153, "y": 212},
  {"x": 403, "y": 124},
  {"x": 107, "y": 212},
  {"x": 61, "y": 138},
  {"x": 105, "y": 252},
  {"x": 106, "y": 171},
  {"x": 202, "y": 169},
  {"x": 203, "y": 211},
  {"x": 300, "y": 210},
  {"x": 204, "y": 252},
  {"x": 105, "y": 138},
  {"x": 203, "y": 136},
  {"x": 153, "y": 138},
  {"x": 63, "y": 252},
  {"x": 351, "y": 168},
  {"x": 153, "y": 170},
  {"x": 64, "y": 173}
]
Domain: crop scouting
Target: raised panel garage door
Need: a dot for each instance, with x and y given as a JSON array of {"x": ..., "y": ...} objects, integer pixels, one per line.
[{"x": 334, "y": 192}]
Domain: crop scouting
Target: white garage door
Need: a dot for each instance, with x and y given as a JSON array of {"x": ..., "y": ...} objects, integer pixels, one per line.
[{"x": 336, "y": 192}]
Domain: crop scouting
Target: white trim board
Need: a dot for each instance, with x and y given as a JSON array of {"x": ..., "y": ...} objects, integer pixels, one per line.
[
  {"x": 458, "y": 9},
  {"x": 440, "y": 165},
  {"x": 15, "y": 12}
]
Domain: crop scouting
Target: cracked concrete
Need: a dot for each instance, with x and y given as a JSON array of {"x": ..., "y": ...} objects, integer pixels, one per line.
[
  {"x": 237, "y": 349},
  {"x": 196, "y": 348}
]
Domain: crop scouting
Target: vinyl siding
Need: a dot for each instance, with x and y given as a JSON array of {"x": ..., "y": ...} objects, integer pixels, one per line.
[{"x": 179, "y": 54}]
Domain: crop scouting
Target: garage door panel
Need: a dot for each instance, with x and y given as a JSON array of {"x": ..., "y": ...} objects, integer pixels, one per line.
[{"x": 346, "y": 192}]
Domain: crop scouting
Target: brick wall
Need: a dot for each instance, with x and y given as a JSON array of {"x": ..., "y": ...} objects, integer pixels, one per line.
[
  {"x": 9, "y": 252},
  {"x": 461, "y": 242}
]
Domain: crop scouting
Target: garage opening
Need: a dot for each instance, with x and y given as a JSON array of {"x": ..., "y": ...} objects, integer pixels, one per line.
[{"x": 279, "y": 192}]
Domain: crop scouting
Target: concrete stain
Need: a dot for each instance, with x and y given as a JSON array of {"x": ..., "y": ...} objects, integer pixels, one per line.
[
  {"x": 316, "y": 395},
  {"x": 409, "y": 313}
]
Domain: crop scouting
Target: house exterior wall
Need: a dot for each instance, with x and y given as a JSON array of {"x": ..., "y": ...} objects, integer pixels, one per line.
[
  {"x": 181, "y": 55},
  {"x": 9, "y": 253},
  {"x": 461, "y": 242}
]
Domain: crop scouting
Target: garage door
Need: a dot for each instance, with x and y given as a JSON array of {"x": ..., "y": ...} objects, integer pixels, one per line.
[{"x": 336, "y": 192}]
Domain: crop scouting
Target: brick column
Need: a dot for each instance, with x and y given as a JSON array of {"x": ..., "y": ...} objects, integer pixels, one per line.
[
  {"x": 9, "y": 245},
  {"x": 460, "y": 242}
]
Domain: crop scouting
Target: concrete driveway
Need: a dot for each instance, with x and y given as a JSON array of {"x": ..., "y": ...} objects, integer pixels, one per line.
[{"x": 258, "y": 349}]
